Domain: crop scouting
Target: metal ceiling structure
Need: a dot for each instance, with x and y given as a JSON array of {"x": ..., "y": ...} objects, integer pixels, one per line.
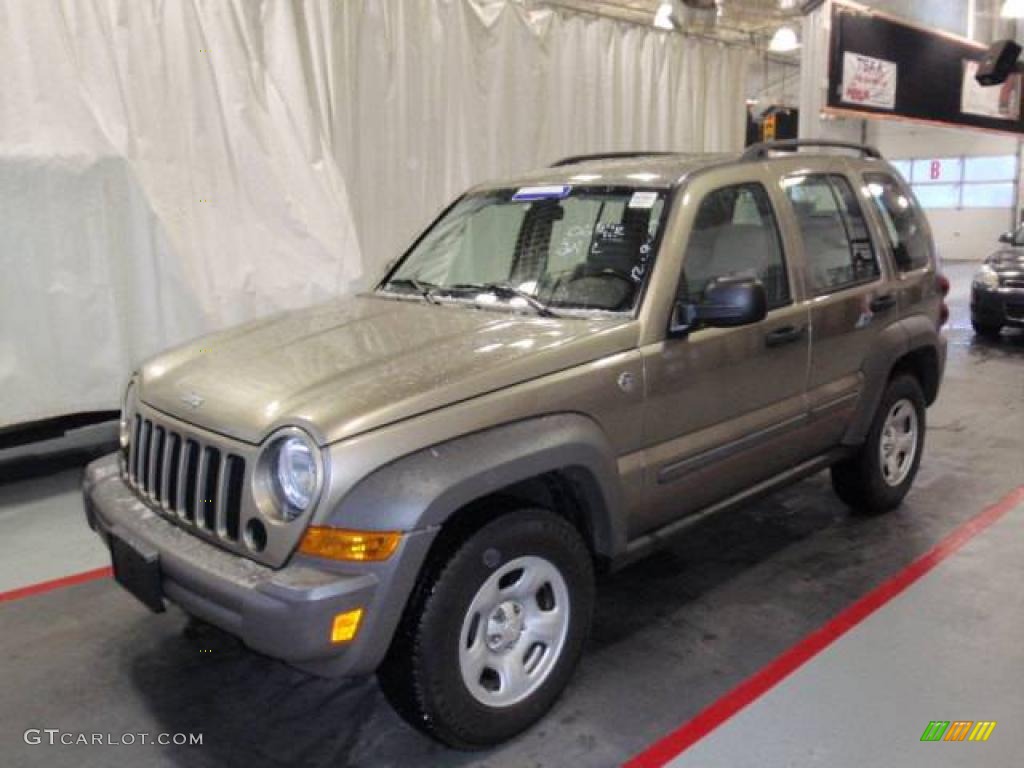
[
  {"x": 737, "y": 22},
  {"x": 773, "y": 77},
  {"x": 753, "y": 22}
]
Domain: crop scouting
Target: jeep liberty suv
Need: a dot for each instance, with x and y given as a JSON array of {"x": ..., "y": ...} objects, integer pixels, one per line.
[{"x": 565, "y": 369}]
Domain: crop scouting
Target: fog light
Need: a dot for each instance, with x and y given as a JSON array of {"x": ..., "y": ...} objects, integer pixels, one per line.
[
  {"x": 341, "y": 544},
  {"x": 346, "y": 625}
]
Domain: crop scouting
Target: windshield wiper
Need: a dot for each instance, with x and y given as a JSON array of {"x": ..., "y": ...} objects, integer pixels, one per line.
[
  {"x": 504, "y": 291},
  {"x": 426, "y": 290}
]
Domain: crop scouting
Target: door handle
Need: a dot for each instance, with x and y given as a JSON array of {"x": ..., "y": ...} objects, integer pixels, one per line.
[
  {"x": 882, "y": 303},
  {"x": 785, "y": 335}
]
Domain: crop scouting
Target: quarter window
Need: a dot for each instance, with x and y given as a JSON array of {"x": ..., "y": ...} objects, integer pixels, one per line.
[
  {"x": 910, "y": 247},
  {"x": 837, "y": 243},
  {"x": 735, "y": 235}
]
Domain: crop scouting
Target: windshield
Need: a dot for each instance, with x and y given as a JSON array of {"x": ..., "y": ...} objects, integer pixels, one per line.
[{"x": 543, "y": 248}]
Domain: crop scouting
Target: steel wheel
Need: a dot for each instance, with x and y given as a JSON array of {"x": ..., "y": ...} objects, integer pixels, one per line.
[
  {"x": 898, "y": 444},
  {"x": 493, "y": 631},
  {"x": 514, "y": 631}
]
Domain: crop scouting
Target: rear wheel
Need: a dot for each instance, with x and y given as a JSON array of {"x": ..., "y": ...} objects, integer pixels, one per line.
[
  {"x": 986, "y": 330},
  {"x": 880, "y": 474},
  {"x": 493, "y": 632}
]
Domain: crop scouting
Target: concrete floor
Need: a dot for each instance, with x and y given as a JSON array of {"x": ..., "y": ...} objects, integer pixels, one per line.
[
  {"x": 947, "y": 649},
  {"x": 672, "y": 633}
]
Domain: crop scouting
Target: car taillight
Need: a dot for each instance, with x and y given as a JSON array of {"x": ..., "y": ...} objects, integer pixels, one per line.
[{"x": 942, "y": 283}]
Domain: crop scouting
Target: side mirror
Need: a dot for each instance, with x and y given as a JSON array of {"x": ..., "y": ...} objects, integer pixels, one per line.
[
  {"x": 1006, "y": 237},
  {"x": 728, "y": 302}
]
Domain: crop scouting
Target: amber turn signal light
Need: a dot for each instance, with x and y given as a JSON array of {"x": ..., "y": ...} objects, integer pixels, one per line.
[
  {"x": 345, "y": 625},
  {"x": 342, "y": 544}
]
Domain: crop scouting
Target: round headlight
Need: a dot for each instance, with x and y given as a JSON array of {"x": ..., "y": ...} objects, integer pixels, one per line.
[
  {"x": 986, "y": 277},
  {"x": 296, "y": 474}
]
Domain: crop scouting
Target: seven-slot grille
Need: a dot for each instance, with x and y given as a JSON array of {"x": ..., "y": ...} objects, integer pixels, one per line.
[{"x": 198, "y": 484}]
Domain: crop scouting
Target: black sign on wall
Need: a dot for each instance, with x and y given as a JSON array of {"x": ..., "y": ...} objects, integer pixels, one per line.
[{"x": 880, "y": 66}]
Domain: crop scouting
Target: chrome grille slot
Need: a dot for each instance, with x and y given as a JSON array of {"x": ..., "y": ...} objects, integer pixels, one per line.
[
  {"x": 233, "y": 475},
  {"x": 206, "y": 485},
  {"x": 1014, "y": 282},
  {"x": 156, "y": 457},
  {"x": 191, "y": 473},
  {"x": 195, "y": 483},
  {"x": 144, "y": 441},
  {"x": 164, "y": 477},
  {"x": 133, "y": 447},
  {"x": 173, "y": 472}
]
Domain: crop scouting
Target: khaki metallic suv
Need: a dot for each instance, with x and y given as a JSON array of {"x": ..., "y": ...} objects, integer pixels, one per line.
[{"x": 562, "y": 371}]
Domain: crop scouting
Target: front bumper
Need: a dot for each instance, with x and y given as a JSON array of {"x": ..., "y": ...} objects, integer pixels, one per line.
[
  {"x": 286, "y": 613},
  {"x": 997, "y": 307}
]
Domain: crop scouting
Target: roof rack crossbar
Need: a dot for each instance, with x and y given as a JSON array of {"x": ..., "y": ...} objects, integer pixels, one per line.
[
  {"x": 758, "y": 151},
  {"x": 573, "y": 159}
]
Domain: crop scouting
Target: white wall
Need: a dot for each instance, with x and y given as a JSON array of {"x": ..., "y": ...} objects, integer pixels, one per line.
[
  {"x": 171, "y": 168},
  {"x": 969, "y": 233}
]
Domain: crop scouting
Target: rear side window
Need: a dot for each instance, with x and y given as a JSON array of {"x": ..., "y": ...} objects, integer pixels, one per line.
[
  {"x": 735, "y": 235},
  {"x": 837, "y": 242},
  {"x": 910, "y": 247}
]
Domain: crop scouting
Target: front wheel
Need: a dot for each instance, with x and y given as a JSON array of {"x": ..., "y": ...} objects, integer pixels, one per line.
[
  {"x": 880, "y": 474},
  {"x": 493, "y": 633}
]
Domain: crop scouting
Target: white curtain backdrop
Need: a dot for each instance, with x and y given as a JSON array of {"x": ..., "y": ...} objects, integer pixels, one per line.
[{"x": 168, "y": 167}]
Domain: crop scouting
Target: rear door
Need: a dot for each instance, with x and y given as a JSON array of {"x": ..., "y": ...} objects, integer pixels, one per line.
[{"x": 850, "y": 297}]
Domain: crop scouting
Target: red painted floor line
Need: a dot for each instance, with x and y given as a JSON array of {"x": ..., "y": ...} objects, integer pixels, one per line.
[
  {"x": 49, "y": 586},
  {"x": 672, "y": 745}
]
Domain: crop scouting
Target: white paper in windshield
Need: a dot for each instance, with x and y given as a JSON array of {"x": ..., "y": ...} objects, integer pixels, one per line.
[{"x": 643, "y": 199}]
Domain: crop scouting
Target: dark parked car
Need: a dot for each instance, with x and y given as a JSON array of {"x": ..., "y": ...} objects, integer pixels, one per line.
[{"x": 997, "y": 293}]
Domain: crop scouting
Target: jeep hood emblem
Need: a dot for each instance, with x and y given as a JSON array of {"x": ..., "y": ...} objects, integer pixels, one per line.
[{"x": 192, "y": 399}]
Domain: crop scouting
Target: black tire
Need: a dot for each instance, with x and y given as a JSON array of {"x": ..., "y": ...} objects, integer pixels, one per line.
[
  {"x": 986, "y": 330},
  {"x": 421, "y": 675},
  {"x": 859, "y": 481}
]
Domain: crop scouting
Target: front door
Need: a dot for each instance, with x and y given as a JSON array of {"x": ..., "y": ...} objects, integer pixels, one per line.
[{"x": 722, "y": 401}]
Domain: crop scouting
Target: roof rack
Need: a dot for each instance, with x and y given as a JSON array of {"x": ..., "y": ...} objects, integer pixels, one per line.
[
  {"x": 572, "y": 160},
  {"x": 758, "y": 151}
]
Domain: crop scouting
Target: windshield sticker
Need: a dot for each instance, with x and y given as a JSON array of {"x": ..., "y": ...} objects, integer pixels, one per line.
[
  {"x": 643, "y": 199},
  {"x": 551, "y": 192}
]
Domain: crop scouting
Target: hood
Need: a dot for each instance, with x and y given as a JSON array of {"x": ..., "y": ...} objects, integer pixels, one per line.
[{"x": 353, "y": 365}]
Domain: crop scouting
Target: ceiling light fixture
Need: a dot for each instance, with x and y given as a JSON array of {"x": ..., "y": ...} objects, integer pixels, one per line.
[
  {"x": 784, "y": 40},
  {"x": 1013, "y": 9},
  {"x": 663, "y": 16}
]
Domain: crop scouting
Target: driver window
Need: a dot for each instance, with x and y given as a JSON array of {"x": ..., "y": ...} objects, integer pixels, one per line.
[{"x": 735, "y": 235}]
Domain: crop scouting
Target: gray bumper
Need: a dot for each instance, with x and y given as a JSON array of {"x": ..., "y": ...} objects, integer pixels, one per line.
[{"x": 286, "y": 613}]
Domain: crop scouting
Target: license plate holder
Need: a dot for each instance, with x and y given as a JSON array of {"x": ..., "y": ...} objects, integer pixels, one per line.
[{"x": 138, "y": 571}]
